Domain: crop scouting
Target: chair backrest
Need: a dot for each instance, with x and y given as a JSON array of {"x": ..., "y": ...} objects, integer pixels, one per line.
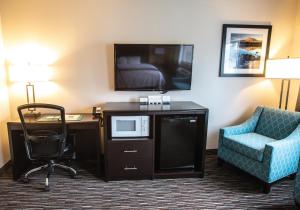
[
  {"x": 276, "y": 123},
  {"x": 44, "y": 140}
]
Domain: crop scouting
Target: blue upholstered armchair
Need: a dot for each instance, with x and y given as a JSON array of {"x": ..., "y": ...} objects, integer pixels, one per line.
[{"x": 267, "y": 145}]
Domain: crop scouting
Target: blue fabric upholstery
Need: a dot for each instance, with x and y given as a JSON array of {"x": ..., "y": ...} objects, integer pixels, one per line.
[
  {"x": 277, "y": 124},
  {"x": 269, "y": 159},
  {"x": 251, "y": 145},
  {"x": 249, "y": 165}
]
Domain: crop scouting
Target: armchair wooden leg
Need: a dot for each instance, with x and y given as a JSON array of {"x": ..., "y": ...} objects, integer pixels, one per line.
[
  {"x": 292, "y": 176},
  {"x": 266, "y": 188},
  {"x": 220, "y": 162}
]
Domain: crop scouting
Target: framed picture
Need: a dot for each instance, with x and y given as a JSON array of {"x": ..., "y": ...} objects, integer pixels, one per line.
[{"x": 245, "y": 49}]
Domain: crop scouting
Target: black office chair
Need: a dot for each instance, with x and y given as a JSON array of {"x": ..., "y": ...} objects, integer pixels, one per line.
[{"x": 45, "y": 142}]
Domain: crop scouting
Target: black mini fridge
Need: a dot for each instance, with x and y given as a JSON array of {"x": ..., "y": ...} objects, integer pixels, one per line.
[{"x": 176, "y": 148}]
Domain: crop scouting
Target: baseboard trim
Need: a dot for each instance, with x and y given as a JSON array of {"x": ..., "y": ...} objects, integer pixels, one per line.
[{"x": 6, "y": 166}]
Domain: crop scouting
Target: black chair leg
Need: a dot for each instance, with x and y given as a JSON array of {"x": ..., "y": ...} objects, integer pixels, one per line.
[
  {"x": 50, "y": 171},
  {"x": 47, "y": 187},
  {"x": 220, "y": 162},
  {"x": 266, "y": 188},
  {"x": 67, "y": 168}
]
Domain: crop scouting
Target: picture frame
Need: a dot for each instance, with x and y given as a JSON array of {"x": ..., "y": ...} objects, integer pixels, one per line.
[{"x": 244, "y": 50}]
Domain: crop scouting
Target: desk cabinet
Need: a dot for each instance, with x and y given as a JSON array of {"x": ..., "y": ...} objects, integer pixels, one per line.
[
  {"x": 87, "y": 142},
  {"x": 130, "y": 159},
  {"x": 138, "y": 158}
]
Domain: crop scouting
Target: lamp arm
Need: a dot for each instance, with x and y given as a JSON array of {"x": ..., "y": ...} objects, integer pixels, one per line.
[{"x": 287, "y": 94}]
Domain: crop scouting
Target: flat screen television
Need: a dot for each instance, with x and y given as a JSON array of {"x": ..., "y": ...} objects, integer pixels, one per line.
[{"x": 156, "y": 67}]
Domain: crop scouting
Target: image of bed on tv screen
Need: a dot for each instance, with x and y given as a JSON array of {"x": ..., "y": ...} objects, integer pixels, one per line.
[{"x": 153, "y": 67}]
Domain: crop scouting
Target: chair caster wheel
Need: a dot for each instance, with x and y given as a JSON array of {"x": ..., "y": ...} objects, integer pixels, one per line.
[
  {"x": 47, "y": 189},
  {"x": 68, "y": 163},
  {"x": 75, "y": 176},
  {"x": 24, "y": 180}
]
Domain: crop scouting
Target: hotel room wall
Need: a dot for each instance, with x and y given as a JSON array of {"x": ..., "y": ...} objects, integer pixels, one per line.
[
  {"x": 295, "y": 48},
  {"x": 83, "y": 32},
  {"x": 4, "y": 107}
]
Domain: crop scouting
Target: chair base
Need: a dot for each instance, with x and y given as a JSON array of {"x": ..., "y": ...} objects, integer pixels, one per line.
[{"x": 50, "y": 167}]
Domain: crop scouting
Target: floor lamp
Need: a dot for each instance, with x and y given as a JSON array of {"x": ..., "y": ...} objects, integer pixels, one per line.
[
  {"x": 298, "y": 102},
  {"x": 285, "y": 69}
]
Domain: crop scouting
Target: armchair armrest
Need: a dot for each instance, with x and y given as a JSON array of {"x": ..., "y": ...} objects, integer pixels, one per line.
[
  {"x": 245, "y": 127},
  {"x": 281, "y": 157}
]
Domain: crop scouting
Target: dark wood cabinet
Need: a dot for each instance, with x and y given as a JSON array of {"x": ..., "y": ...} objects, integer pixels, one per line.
[
  {"x": 131, "y": 149},
  {"x": 139, "y": 168},
  {"x": 135, "y": 157},
  {"x": 129, "y": 159}
]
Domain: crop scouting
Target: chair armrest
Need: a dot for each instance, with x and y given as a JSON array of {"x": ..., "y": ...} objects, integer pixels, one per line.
[
  {"x": 245, "y": 127},
  {"x": 283, "y": 155}
]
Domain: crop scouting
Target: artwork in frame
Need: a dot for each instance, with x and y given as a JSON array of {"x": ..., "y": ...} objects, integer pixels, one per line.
[{"x": 245, "y": 49}]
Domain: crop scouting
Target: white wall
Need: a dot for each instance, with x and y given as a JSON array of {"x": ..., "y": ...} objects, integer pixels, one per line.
[
  {"x": 296, "y": 40},
  {"x": 4, "y": 108},
  {"x": 295, "y": 52},
  {"x": 82, "y": 32}
]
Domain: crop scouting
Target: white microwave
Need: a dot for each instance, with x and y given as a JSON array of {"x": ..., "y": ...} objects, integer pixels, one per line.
[{"x": 130, "y": 126}]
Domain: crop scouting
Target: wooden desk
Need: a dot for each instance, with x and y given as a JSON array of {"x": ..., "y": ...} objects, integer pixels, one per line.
[{"x": 87, "y": 137}]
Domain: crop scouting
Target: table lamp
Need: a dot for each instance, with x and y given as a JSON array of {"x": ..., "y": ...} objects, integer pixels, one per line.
[
  {"x": 29, "y": 74},
  {"x": 286, "y": 70}
]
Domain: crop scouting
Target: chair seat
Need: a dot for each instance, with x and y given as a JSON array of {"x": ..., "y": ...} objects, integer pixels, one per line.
[{"x": 251, "y": 145}]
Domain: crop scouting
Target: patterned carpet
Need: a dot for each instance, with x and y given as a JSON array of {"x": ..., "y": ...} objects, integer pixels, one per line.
[{"x": 221, "y": 188}]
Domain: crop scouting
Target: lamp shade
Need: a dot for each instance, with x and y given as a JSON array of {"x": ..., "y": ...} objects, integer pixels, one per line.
[
  {"x": 29, "y": 73},
  {"x": 288, "y": 68}
]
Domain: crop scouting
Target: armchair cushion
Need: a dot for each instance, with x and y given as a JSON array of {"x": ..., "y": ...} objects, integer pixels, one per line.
[
  {"x": 251, "y": 145},
  {"x": 277, "y": 124}
]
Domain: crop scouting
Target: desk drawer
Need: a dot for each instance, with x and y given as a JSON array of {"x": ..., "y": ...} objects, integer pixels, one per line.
[
  {"x": 130, "y": 169},
  {"x": 130, "y": 149}
]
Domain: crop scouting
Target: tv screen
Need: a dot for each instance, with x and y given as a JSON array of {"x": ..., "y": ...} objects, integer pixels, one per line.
[{"x": 160, "y": 67}]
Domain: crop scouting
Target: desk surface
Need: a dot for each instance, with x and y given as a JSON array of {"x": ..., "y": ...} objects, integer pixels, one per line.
[
  {"x": 87, "y": 132},
  {"x": 87, "y": 121},
  {"x": 86, "y": 118}
]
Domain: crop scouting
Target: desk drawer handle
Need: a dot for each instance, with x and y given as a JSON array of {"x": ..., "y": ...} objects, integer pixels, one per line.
[
  {"x": 130, "y": 151},
  {"x": 130, "y": 168}
]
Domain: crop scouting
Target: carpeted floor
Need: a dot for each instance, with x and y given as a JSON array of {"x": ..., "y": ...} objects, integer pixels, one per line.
[{"x": 221, "y": 188}]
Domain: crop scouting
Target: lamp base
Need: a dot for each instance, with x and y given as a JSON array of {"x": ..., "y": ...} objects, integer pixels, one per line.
[{"x": 32, "y": 114}]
